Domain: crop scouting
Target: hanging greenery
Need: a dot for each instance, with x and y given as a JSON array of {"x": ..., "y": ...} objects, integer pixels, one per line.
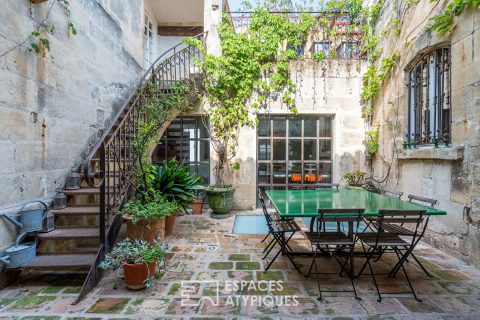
[{"x": 445, "y": 22}]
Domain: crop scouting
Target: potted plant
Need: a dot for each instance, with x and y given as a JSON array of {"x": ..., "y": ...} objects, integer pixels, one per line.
[
  {"x": 146, "y": 216},
  {"x": 355, "y": 178},
  {"x": 138, "y": 258},
  {"x": 175, "y": 181},
  {"x": 197, "y": 204}
]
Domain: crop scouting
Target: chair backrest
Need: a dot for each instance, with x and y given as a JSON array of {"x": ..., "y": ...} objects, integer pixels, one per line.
[
  {"x": 336, "y": 215},
  {"x": 395, "y": 193},
  {"x": 327, "y": 185},
  {"x": 422, "y": 200},
  {"x": 414, "y": 218}
]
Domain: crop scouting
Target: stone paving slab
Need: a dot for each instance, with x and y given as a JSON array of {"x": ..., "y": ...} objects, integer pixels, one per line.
[{"x": 206, "y": 256}]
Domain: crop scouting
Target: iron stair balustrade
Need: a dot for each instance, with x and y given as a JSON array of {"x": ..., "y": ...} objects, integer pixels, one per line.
[{"x": 116, "y": 151}]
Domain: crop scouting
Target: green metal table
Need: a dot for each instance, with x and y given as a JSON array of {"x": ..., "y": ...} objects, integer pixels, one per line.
[{"x": 305, "y": 203}]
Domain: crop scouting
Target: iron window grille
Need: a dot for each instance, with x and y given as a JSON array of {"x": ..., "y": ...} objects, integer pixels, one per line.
[{"x": 429, "y": 99}]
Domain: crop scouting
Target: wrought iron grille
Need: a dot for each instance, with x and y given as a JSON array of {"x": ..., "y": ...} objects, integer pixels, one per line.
[{"x": 429, "y": 99}]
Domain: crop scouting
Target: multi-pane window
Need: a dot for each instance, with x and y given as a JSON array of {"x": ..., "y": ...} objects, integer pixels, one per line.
[
  {"x": 429, "y": 99},
  {"x": 148, "y": 42},
  {"x": 348, "y": 50},
  {"x": 186, "y": 139},
  {"x": 294, "y": 151},
  {"x": 321, "y": 46}
]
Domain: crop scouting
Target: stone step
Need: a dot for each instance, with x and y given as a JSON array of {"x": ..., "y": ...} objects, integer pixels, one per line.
[
  {"x": 77, "y": 210},
  {"x": 59, "y": 262},
  {"x": 70, "y": 233}
]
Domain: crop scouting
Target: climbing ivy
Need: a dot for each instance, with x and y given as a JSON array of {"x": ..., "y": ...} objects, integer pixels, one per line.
[
  {"x": 371, "y": 139},
  {"x": 445, "y": 22}
]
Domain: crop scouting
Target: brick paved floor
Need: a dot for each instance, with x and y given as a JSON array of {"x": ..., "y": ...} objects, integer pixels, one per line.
[{"x": 204, "y": 251}]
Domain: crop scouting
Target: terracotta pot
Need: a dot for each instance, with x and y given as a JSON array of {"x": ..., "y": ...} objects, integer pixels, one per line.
[
  {"x": 169, "y": 222},
  {"x": 197, "y": 206},
  {"x": 136, "y": 274},
  {"x": 148, "y": 230}
]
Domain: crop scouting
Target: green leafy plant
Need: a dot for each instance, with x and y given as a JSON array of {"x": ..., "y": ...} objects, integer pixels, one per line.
[
  {"x": 153, "y": 206},
  {"x": 175, "y": 182},
  {"x": 319, "y": 56},
  {"x": 371, "y": 140},
  {"x": 129, "y": 251},
  {"x": 354, "y": 178},
  {"x": 445, "y": 22}
]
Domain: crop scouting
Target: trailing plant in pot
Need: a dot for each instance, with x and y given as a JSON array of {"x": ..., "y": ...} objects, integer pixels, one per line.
[
  {"x": 175, "y": 181},
  {"x": 138, "y": 259},
  {"x": 146, "y": 216}
]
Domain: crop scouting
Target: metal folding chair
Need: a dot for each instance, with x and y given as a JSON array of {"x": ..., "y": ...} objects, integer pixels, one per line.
[
  {"x": 282, "y": 231},
  {"x": 422, "y": 200},
  {"x": 381, "y": 241},
  {"x": 393, "y": 193},
  {"x": 323, "y": 240}
]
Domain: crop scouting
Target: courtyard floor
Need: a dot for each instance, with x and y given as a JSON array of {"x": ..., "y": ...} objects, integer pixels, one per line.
[{"x": 205, "y": 254}]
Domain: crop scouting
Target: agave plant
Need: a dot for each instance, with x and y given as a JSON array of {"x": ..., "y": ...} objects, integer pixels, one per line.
[{"x": 176, "y": 182}]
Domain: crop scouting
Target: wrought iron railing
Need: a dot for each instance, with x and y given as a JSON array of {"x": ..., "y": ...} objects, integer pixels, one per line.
[{"x": 110, "y": 163}]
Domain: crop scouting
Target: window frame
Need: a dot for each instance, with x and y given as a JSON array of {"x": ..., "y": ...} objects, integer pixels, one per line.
[{"x": 424, "y": 127}]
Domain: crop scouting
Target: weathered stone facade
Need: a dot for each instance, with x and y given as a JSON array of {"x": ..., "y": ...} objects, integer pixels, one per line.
[
  {"x": 54, "y": 105},
  {"x": 450, "y": 175}
]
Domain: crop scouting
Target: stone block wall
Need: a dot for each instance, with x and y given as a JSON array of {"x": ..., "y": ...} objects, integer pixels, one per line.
[
  {"x": 450, "y": 176},
  {"x": 53, "y": 106}
]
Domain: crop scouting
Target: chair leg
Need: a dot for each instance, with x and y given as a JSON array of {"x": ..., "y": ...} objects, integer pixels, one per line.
[
  {"x": 374, "y": 281},
  {"x": 268, "y": 245},
  {"x": 318, "y": 279},
  {"x": 410, "y": 284},
  {"x": 263, "y": 240},
  {"x": 421, "y": 266},
  {"x": 271, "y": 262}
]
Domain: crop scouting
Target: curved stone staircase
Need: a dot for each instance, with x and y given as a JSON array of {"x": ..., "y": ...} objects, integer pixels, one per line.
[{"x": 86, "y": 229}]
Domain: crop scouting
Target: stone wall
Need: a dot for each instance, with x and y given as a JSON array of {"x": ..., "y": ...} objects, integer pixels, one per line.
[
  {"x": 53, "y": 106},
  {"x": 328, "y": 88},
  {"x": 450, "y": 175}
]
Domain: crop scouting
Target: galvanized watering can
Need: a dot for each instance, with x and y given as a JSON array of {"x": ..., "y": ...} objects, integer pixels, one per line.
[
  {"x": 19, "y": 254},
  {"x": 29, "y": 220}
]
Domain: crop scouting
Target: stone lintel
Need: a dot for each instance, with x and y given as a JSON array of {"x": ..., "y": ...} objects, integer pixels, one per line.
[{"x": 431, "y": 153}]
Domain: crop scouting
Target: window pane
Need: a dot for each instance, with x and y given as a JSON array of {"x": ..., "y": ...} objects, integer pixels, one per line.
[
  {"x": 263, "y": 173},
  {"x": 203, "y": 150},
  {"x": 279, "y": 147},
  {"x": 202, "y": 129},
  {"x": 309, "y": 150},
  {"x": 295, "y": 127},
  {"x": 325, "y": 152},
  {"x": 174, "y": 129},
  {"x": 295, "y": 173},
  {"x": 263, "y": 149},
  {"x": 325, "y": 127},
  {"x": 263, "y": 127},
  {"x": 174, "y": 150},
  {"x": 279, "y": 176},
  {"x": 325, "y": 172},
  {"x": 204, "y": 172},
  {"x": 279, "y": 127},
  {"x": 310, "y": 127},
  {"x": 310, "y": 173},
  {"x": 295, "y": 149},
  {"x": 189, "y": 128}
]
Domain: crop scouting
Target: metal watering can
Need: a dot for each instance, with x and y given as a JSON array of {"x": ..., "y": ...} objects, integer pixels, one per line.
[
  {"x": 19, "y": 254},
  {"x": 29, "y": 220}
]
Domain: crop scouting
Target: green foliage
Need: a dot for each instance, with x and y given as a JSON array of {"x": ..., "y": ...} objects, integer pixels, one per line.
[
  {"x": 371, "y": 140},
  {"x": 175, "y": 182},
  {"x": 148, "y": 207},
  {"x": 354, "y": 178},
  {"x": 373, "y": 79},
  {"x": 319, "y": 56},
  {"x": 445, "y": 22},
  {"x": 159, "y": 109},
  {"x": 129, "y": 251}
]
